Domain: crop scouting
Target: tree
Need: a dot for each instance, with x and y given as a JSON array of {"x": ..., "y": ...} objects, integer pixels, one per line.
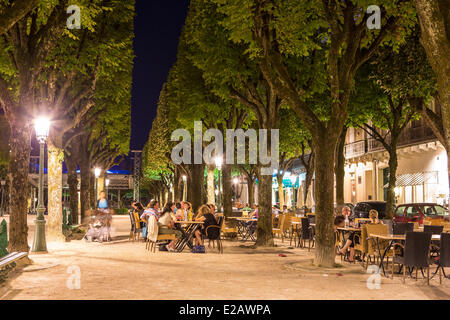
[
  {"x": 10, "y": 13},
  {"x": 328, "y": 41},
  {"x": 391, "y": 82},
  {"x": 434, "y": 19},
  {"x": 23, "y": 53}
]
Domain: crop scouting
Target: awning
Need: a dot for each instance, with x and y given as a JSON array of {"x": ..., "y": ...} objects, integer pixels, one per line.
[{"x": 415, "y": 179}]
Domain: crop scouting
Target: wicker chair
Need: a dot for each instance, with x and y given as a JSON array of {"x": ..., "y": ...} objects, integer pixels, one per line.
[{"x": 279, "y": 230}]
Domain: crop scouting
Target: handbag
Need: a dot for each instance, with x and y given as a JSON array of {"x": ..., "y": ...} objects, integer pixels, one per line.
[{"x": 198, "y": 249}]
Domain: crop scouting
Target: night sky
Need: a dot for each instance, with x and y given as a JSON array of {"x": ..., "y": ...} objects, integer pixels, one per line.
[{"x": 158, "y": 25}]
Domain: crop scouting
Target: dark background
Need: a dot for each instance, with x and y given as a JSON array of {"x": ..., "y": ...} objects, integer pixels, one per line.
[{"x": 158, "y": 26}]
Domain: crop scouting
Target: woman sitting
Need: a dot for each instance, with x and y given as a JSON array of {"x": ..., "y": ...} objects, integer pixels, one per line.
[
  {"x": 151, "y": 210},
  {"x": 204, "y": 215},
  {"x": 339, "y": 221},
  {"x": 166, "y": 224},
  {"x": 373, "y": 216}
]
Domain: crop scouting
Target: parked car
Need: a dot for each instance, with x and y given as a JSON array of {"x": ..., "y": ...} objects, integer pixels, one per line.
[
  {"x": 416, "y": 212},
  {"x": 361, "y": 209}
]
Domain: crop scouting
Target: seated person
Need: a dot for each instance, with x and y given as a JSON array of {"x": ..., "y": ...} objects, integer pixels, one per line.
[
  {"x": 339, "y": 221},
  {"x": 373, "y": 216},
  {"x": 178, "y": 211},
  {"x": 285, "y": 209},
  {"x": 166, "y": 224},
  {"x": 347, "y": 212},
  {"x": 254, "y": 214},
  {"x": 204, "y": 214},
  {"x": 212, "y": 209}
]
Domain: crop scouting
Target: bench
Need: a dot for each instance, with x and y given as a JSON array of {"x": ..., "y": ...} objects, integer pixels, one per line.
[{"x": 8, "y": 262}]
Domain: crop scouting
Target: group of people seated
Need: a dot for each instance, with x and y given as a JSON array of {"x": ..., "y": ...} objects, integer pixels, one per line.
[
  {"x": 171, "y": 213},
  {"x": 339, "y": 222}
]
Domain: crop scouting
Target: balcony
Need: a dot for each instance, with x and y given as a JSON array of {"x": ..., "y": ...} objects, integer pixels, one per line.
[
  {"x": 409, "y": 136},
  {"x": 355, "y": 149}
]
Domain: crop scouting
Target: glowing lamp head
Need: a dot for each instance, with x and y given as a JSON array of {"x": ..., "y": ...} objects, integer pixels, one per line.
[
  {"x": 219, "y": 162},
  {"x": 97, "y": 172},
  {"x": 217, "y": 192},
  {"x": 184, "y": 178},
  {"x": 42, "y": 127},
  {"x": 107, "y": 182},
  {"x": 235, "y": 180}
]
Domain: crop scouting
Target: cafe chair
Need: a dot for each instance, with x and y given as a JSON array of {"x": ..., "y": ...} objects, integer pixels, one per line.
[
  {"x": 433, "y": 229},
  {"x": 213, "y": 234},
  {"x": 443, "y": 259},
  {"x": 280, "y": 228},
  {"x": 229, "y": 229},
  {"x": 416, "y": 253},
  {"x": 151, "y": 245},
  {"x": 306, "y": 234},
  {"x": 402, "y": 228},
  {"x": 135, "y": 229},
  {"x": 294, "y": 233},
  {"x": 372, "y": 254}
]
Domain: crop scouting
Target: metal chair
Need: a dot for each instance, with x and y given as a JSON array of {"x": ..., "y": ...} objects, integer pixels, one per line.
[
  {"x": 402, "y": 228},
  {"x": 416, "y": 253},
  {"x": 213, "y": 234},
  {"x": 443, "y": 259},
  {"x": 433, "y": 229},
  {"x": 306, "y": 234}
]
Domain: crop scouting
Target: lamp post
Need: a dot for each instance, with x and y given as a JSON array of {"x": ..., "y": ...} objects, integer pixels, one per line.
[
  {"x": 293, "y": 179},
  {"x": 184, "y": 187},
  {"x": 219, "y": 162},
  {"x": 3, "y": 183},
  {"x": 42, "y": 127}
]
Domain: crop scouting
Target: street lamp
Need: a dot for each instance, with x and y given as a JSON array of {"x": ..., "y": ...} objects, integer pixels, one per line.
[
  {"x": 219, "y": 162},
  {"x": 293, "y": 179},
  {"x": 42, "y": 127}
]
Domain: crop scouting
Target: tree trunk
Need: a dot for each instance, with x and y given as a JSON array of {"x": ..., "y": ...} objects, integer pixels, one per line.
[
  {"x": 264, "y": 226},
  {"x": 308, "y": 181},
  {"x": 176, "y": 185},
  {"x": 19, "y": 161},
  {"x": 251, "y": 192},
  {"x": 92, "y": 190},
  {"x": 340, "y": 170},
  {"x": 195, "y": 191},
  {"x": 324, "y": 168},
  {"x": 72, "y": 181},
  {"x": 393, "y": 164},
  {"x": 280, "y": 190},
  {"x": 211, "y": 185},
  {"x": 85, "y": 175},
  {"x": 227, "y": 190},
  {"x": 54, "y": 178},
  {"x": 434, "y": 19}
]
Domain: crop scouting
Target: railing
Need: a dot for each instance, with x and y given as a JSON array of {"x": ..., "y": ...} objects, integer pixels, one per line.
[
  {"x": 355, "y": 149},
  {"x": 412, "y": 135}
]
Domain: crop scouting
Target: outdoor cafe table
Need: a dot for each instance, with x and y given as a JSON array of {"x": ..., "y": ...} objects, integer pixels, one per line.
[
  {"x": 392, "y": 238},
  {"x": 244, "y": 228},
  {"x": 187, "y": 234}
]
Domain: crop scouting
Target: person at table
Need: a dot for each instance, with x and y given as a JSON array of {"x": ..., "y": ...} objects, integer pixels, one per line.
[
  {"x": 349, "y": 245},
  {"x": 347, "y": 212},
  {"x": 102, "y": 203},
  {"x": 373, "y": 216},
  {"x": 178, "y": 211},
  {"x": 254, "y": 214},
  {"x": 187, "y": 210},
  {"x": 166, "y": 224},
  {"x": 151, "y": 210},
  {"x": 204, "y": 215},
  {"x": 212, "y": 209}
]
